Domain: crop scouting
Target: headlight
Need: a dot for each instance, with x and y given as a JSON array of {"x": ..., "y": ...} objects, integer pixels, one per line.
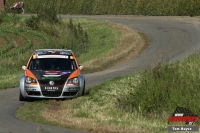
[
  {"x": 73, "y": 81},
  {"x": 29, "y": 80}
]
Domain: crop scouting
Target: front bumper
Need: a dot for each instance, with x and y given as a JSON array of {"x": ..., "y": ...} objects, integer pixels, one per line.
[{"x": 65, "y": 92}]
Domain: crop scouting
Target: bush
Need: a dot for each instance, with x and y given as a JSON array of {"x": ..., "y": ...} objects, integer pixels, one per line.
[
  {"x": 47, "y": 11},
  {"x": 78, "y": 38},
  {"x": 33, "y": 22}
]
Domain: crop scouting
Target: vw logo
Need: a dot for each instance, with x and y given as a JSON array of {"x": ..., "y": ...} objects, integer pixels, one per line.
[{"x": 51, "y": 83}]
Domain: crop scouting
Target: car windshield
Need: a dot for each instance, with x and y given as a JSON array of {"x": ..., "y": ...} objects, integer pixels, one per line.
[{"x": 57, "y": 64}]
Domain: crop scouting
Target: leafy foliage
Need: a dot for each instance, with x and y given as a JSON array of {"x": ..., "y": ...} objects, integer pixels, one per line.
[
  {"x": 49, "y": 8},
  {"x": 33, "y": 22},
  {"x": 47, "y": 11},
  {"x": 11, "y": 19},
  {"x": 78, "y": 38}
]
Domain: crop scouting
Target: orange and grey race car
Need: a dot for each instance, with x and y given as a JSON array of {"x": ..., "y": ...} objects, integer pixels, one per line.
[{"x": 51, "y": 73}]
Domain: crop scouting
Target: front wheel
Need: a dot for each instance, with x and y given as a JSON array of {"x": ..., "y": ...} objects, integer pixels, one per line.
[{"x": 21, "y": 98}]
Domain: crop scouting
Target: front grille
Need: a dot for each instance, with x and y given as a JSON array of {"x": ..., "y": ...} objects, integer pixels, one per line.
[
  {"x": 51, "y": 93},
  {"x": 57, "y": 83}
]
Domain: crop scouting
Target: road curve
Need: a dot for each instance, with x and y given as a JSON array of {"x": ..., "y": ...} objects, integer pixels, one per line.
[{"x": 171, "y": 40}]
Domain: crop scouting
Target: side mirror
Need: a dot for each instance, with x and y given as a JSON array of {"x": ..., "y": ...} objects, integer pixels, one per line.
[
  {"x": 23, "y": 67},
  {"x": 80, "y": 67}
]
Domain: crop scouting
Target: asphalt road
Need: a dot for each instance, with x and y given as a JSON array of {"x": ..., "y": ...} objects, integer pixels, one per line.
[{"x": 171, "y": 40}]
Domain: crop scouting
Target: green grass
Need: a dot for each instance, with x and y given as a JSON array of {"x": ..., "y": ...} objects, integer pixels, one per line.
[
  {"x": 31, "y": 110},
  {"x": 103, "y": 40}
]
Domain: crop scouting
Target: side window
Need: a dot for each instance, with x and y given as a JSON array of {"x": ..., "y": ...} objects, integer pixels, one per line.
[
  {"x": 73, "y": 65},
  {"x": 31, "y": 65}
]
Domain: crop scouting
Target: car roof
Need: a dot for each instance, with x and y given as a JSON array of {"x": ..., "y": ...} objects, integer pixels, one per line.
[{"x": 67, "y": 52}]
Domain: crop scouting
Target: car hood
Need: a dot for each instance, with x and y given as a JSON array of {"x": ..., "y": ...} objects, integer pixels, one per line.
[{"x": 51, "y": 75}]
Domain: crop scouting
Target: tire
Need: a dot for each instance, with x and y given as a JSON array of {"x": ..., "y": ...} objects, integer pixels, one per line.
[
  {"x": 21, "y": 98},
  {"x": 83, "y": 93}
]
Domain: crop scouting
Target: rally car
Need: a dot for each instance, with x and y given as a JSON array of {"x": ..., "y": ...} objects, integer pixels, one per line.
[{"x": 51, "y": 73}]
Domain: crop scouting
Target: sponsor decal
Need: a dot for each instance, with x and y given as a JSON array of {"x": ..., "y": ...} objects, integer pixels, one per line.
[
  {"x": 183, "y": 115},
  {"x": 51, "y": 78},
  {"x": 54, "y": 52},
  {"x": 71, "y": 57},
  {"x": 65, "y": 53},
  {"x": 41, "y": 52},
  {"x": 30, "y": 87},
  {"x": 51, "y": 73},
  {"x": 34, "y": 56},
  {"x": 53, "y": 56},
  {"x": 63, "y": 73}
]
